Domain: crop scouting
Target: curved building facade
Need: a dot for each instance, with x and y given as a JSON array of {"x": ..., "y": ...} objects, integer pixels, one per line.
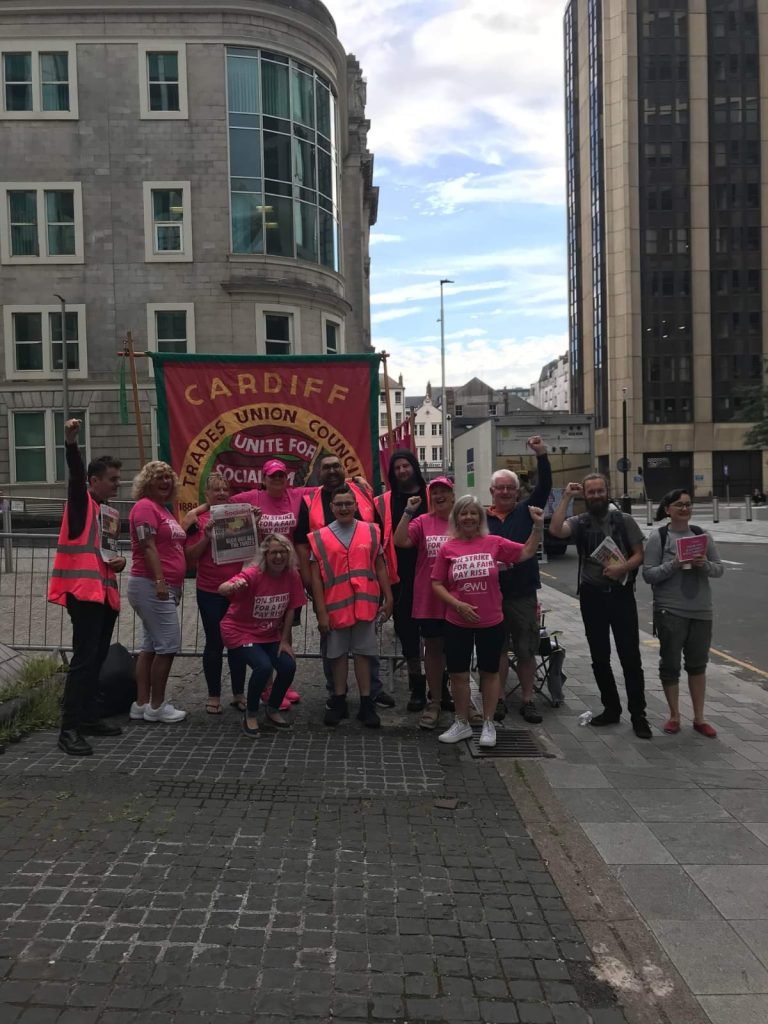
[{"x": 197, "y": 174}]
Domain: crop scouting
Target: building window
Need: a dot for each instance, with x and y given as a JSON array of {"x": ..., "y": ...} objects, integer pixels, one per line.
[
  {"x": 278, "y": 331},
  {"x": 435, "y": 429},
  {"x": 167, "y": 222},
  {"x": 37, "y": 440},
  {"x": 39, "y": 83},
  {"x": 422, "y": 453},
  {"x": 163, "y": 81},
  {"x": 33, "y": 346},
  {"x": 171, "y": 327},
  {"x": 398, "y": 397},
  {"x": 384, "y": 421},
  {"x": 458, "y": 410},
  {"x": 398, "y": 418},
  {"x": 283, "y": 159},
  {"x": 491, "y": 408},
  {"x": 420, "y": 429},
  {"x": 333, "y": 337},
  {"x": 435, "y": 454},
  {"x": 41, "y": 223}
]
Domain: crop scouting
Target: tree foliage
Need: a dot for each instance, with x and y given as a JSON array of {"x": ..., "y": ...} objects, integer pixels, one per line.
[{"x": 755, "y": 410}]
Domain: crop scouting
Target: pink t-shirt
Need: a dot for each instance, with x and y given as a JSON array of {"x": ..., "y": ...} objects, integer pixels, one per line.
[
  {"x": 427, "y": 533},
  {"x": 147, "y": 518},
  {"x": 470, "y": 573},
  {"x": 209, "y": 575},
  {"x": 255, "y": 614},
  {"x": 278, "y": 515}
]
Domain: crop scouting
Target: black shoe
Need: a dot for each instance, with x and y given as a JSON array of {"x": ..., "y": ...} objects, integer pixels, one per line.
[
  {"x": 418, "y": 685},
  {"x": 501, "y": 711},
  {"x": 384, "y": 700},
  {"x": 530, "y": 714},
  {"x": 71, "y": 742},
  {"x": 367, "y": 714},
  {"x": 641, "y": 727},
  {"x": 100, "y": 728},
  {"x": 606, "y": 718},
  {"x": 336, "y": 710}
]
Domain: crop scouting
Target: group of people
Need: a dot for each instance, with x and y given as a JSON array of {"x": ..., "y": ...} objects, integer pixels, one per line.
[{"x": 459, "y": 579}]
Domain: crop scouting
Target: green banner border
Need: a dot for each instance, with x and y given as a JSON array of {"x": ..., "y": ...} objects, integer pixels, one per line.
[{"x": 373, "y": 359}]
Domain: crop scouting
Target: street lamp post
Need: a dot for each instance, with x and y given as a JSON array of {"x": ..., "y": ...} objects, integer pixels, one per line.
[
  {"x": 626, "y": 501},
  {"x": 64, "y": 361},
  {"x": 444, "y": 406}
]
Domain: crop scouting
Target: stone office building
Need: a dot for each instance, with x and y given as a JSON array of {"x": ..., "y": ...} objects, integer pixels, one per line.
[
  {"x": 197, "y": 174},
  {"x": 666, "y": 151}
]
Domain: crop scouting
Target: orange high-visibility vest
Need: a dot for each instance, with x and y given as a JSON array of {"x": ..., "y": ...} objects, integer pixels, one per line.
[
  {"x": 383, "y": 505},
  {"x": 352, "y": 591},
  {"x": 78, "y": 567},
  {"x": 314, "y": 502}
]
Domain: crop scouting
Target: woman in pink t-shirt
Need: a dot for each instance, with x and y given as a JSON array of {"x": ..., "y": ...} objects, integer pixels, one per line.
[
  {"x": 257, "y": 626},
  {"x": 154, "y": 589},
  {"x": 211, "y": 605},
  {"x": 279, "y": 503},
  {"x": 466, "y": 577},
  {"x": 427, "y": 533}
]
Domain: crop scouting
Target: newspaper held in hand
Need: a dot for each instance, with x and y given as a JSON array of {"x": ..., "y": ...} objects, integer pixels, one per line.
[
  {"x": 234, "y": 537},
  {"x": 109, "y": 532},
  {"x": 689, "y": 548},
  {"x": 608, "y": 552}
]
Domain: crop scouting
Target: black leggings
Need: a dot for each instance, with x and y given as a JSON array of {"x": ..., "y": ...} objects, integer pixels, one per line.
[{"x": 460, "y": 641}]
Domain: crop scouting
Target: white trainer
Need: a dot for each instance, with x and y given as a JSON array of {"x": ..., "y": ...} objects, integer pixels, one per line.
[
  {"x": 165, "y": 713},
  {"x": 488, "y": 735},
  {"x": 137, "y": 711},
  {"x": 457, "y": 732}
]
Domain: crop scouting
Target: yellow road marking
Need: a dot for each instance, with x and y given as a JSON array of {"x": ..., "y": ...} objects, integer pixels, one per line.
[{"x": 742, "y": 664}]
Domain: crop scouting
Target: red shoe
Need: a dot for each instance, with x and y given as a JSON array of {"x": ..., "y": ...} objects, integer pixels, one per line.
[
  {"x": 286, "y": 704},
  {"x": 705, "y": 729},
  {"x": 672, "y": 727},
  {"x": 293, "y": 696}
]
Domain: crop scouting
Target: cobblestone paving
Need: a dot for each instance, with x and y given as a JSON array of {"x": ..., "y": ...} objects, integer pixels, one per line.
[{"x": 184, "y": 875}]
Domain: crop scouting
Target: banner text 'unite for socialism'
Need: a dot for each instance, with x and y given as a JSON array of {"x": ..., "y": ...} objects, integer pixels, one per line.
[{"x": 232, "y": 414}]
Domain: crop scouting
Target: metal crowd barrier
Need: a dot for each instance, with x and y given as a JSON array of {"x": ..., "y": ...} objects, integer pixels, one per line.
[{"x": 28, "y": 622}]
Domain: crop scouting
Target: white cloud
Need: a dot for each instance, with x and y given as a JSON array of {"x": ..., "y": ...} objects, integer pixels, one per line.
[
  {"x": 382, "y": 315},
  {"x": 430, "y": 290},
  {"x": 469, "y": 332},
  {"x": 543, "y": 185},
  {"x": 484, "y": 77},
  {"x": 380, "y": 238}
]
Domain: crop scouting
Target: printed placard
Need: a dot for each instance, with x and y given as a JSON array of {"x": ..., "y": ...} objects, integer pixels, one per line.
[
  {"x": 109, "y": 532},
  {"x": 689, "y": 548},
  {"x": 234, "y": 537}
]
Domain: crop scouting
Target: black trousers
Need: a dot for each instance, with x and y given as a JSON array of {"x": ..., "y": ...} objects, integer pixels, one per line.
[
  {"x": 406, "y": 627},
  {"x": 92, "y": 626},
  {"x": 614, "y": 611}
]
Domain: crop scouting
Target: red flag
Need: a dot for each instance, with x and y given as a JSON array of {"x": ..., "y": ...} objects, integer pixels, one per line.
[{"x": 400, "y": 437}]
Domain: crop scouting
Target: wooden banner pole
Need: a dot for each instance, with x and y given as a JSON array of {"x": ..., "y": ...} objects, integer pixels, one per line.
[
  {"x": 388, "y": 397},
  {"x": 135, "y": 389}
]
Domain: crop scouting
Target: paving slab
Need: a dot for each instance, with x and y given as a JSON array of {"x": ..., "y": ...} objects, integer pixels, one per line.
[
  {"x": 722, "y": 843},
  {"x": 627, "y": 843},
  {"x": 739, "y": 892},
  {"x": 659, "y": 890},
  {"x": 698, "y": 954},
  {"x": 674, "y": 806},
  {"x": 736, "y": 1009}
]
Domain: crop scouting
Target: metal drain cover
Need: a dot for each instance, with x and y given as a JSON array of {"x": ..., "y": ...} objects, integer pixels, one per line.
[{"x": 509, "y": 743}]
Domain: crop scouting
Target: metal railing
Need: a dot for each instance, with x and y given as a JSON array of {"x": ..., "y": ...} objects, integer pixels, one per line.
[{"x": 28, "y": 622}]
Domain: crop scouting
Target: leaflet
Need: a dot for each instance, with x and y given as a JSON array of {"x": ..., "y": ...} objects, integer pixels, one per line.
[
  {"x": 234, "y": 537},
  {"x": 109, "y": 532},
  {"x": 608, "y": 552},
  {"x": 689, "y": 548}
]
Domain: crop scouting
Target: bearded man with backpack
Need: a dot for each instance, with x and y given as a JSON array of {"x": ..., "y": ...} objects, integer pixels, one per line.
[{"x": 610, "y": 547}]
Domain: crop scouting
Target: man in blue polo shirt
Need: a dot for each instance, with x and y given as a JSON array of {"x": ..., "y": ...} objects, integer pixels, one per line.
[{"x": 508, "y": 517}]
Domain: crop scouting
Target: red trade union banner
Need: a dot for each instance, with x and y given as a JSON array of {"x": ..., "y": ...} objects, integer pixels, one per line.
[{"x": 234, "y": 413}]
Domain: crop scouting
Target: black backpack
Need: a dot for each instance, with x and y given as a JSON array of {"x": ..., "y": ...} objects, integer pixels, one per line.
[
  {"x": 116, "y": 688},
  {"x": 617, "y": 526}
]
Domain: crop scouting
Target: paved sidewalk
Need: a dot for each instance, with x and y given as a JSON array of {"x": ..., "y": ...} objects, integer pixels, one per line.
[
  {"x": 680, "y": 821},
  {"x": 186, "y": 874}
]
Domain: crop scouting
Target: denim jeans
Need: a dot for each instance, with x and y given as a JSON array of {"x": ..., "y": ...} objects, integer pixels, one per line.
[
  {"x": 212, "y": 609},
  {"x": 263, "y": 660},
  {"x": 613, "y": 610}
]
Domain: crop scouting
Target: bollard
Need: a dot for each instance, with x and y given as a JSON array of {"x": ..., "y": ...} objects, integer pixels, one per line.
[
  {"x": 748, "y": 507},
  {"x": 7, "y": 541},
  {"x": 715, "y": 510},
  {"x": 649, "y": 513}
]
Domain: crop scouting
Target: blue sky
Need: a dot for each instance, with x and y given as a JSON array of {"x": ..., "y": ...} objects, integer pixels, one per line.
[{"x": 465, "y": 99}]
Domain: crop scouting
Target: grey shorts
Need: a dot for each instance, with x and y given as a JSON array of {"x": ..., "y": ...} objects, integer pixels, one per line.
[
  {"x": 680, "y": 636},
  {"x": 357, "y": 639},
  {"x": 160, "y": 619},
  {"x": 521, "y": 624}
]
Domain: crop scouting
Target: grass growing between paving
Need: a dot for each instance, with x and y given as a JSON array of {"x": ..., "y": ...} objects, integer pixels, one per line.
[{"x": 39, "y": 686}]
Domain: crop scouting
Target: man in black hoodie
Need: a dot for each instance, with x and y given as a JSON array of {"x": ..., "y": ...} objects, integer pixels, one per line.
[{"x": 405, "y": 480}]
